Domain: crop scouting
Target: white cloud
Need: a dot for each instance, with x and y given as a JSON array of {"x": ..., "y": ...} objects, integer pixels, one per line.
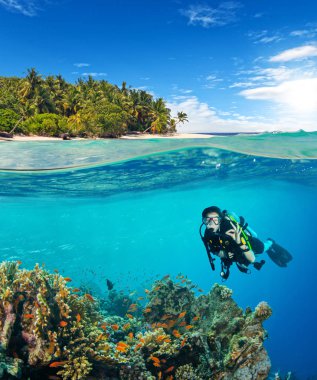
[
  {"x": 297, "y": 53},
  {"x": 208, "y": 16},
  {"x": 82, "y": 64},
  {"x": 263, "y": 37},
  {"x": 26, "y": 7},
  {"x": 203, "y": 118},
  {"x": 297, "y": 98},
  {"x": 94, "y": 74}
]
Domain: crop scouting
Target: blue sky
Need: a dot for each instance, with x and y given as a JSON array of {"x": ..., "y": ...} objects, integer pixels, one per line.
[{"x": 231, "y": 65}]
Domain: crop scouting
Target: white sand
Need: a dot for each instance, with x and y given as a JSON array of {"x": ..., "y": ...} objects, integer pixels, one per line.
[{"x": 130, "y": 137}]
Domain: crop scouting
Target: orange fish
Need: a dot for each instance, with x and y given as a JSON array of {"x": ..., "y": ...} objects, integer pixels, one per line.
[
  {"x": 196, "y": 318},
  {"x": 137, "y": 347},
  {"x": 160, "y": 338},
  {"x": 181, "y": 315},
  {"x": 78, "y": 318},
  {"x": 183, "y": 342},
  {"x": 104, "y": 326},
  {"x": 169, "y": 369},
  {"x": 133, "y": 305},
  {"x": 155, "y": 359},
  {"x": 122, "y": 344},
  {"x": 89, "y": 297},
  {"x": 19, "y": 262},
  {"x": 130, "y": 335},
  {"x": 76, "y": 290},
  {"x": 156, "y": 364},
  {"x": 183, "y": 281},
  {"x": 176, "y": 333},
  {"x": 63, "y": 323},
  {"x": 126, "y": 326},
  {"x": 167, "y": 340},
  {"x": 115, "y": 327},
  {"x": 183, "y": 323},
  {"x": 67, "y": 279},
  {"x": 28, "y": 316},
  {"x": 189, "y": 327},
  {"x": 147, "y": 291},
  {"x": 147, "y": 310},
  {"x": 157, "y": 288},
  {"x": 129, "y": 316},
  {"x": 140, "y": 298},
  {"x": 57, "y": 364}
]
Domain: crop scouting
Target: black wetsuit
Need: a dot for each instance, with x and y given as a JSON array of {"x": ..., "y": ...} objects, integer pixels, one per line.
[{"x": 220, "y": 241}]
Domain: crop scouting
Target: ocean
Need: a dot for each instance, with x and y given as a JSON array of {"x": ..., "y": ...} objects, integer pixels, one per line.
[{"x": 130, "y": 211}]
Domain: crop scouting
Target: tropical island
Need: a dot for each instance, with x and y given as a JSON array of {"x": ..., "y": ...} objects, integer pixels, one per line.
[{"x": 50, "y": 106}]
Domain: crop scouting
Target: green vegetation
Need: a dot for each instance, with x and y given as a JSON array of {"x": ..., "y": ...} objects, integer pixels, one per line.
[{"x": 51, "y": 106}]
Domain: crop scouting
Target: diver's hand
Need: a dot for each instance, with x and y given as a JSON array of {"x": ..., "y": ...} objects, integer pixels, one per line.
[{"x": 235, "y": 233}]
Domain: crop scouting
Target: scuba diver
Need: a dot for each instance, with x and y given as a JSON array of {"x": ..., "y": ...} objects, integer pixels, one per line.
[{"x": 231, "y": 239}]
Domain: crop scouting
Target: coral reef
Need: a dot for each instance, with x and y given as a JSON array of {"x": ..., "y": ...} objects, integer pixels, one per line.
[{"x": 62, "y": 332}]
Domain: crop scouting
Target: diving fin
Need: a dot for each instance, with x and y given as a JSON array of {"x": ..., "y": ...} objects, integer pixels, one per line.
[{"x": 279, "y": 255}]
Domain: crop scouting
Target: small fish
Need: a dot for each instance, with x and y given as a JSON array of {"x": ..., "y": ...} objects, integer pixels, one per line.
[
  {"x": 67, "y": 279},
  {"x": 181, "y": 315},
  {"x": 167, "y": 340},
  {"x": 140, "y": 298},
  {"x": 156, "y": 364},
  {"x": 19, "y": 262},
  {"x": 157, "y": 288},
  {"x": 182, "y": 323},
  {"x": 78, "y": 318},
  {"x": 28, "y": 316},
  {"x": 189, "y": 327},
  {"x": 147, "y": 310},
  {"x": 126, "y": 326},
  {"x": 57, "y": 364},
  {"x": 76, "y": 290},
  {"x": 130, "y": 316},
  {"x": 132, "y": 293},
  {"x": 122, "y": 344},
  {"x": 130, "y": 335},
  {"x": 166, "y": 277},
  {"x": 200, "y": 290},
  {"x": 169, "y": 369},
  {"x": 159, "y": 375},
  {"x": 89, "y": 297},
  {"x": 147, "y": 291},
  {"x": 104, "y": 326},
  {"x": 196, "y": 318},
  {"x": 160, "y": 338},
  {"x": 183, "y": 342},
  {"x": 110, "y": 284},
  {"x": 176, "y": 333},
  {"x": 53, "y": 377},
  {"x": 155, "y": 359},
  {"x": 56, "y": 270},
  {"x": 63, "y": 323},
  {"x": 115, "y": 327}
]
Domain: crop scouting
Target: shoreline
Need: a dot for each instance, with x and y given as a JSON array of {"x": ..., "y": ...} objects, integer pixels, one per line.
[{"x": 127, "y": 137}]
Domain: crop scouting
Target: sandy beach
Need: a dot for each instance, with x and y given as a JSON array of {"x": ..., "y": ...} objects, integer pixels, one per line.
[{"x": 128, "y": 137}]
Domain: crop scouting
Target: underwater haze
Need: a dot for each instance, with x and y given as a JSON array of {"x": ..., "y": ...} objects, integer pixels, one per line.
[{"x": 130, "y": 211}]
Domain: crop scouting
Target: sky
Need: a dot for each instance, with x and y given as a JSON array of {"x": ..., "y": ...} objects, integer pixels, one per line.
[{"x": 232, "y": 66}]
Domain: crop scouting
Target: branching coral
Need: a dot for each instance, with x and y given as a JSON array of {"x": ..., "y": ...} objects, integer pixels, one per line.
[{"x": 44, "y": 324}]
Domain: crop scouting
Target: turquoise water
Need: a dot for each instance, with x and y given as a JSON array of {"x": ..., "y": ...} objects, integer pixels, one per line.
[{"x": 138, "y": 219}]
